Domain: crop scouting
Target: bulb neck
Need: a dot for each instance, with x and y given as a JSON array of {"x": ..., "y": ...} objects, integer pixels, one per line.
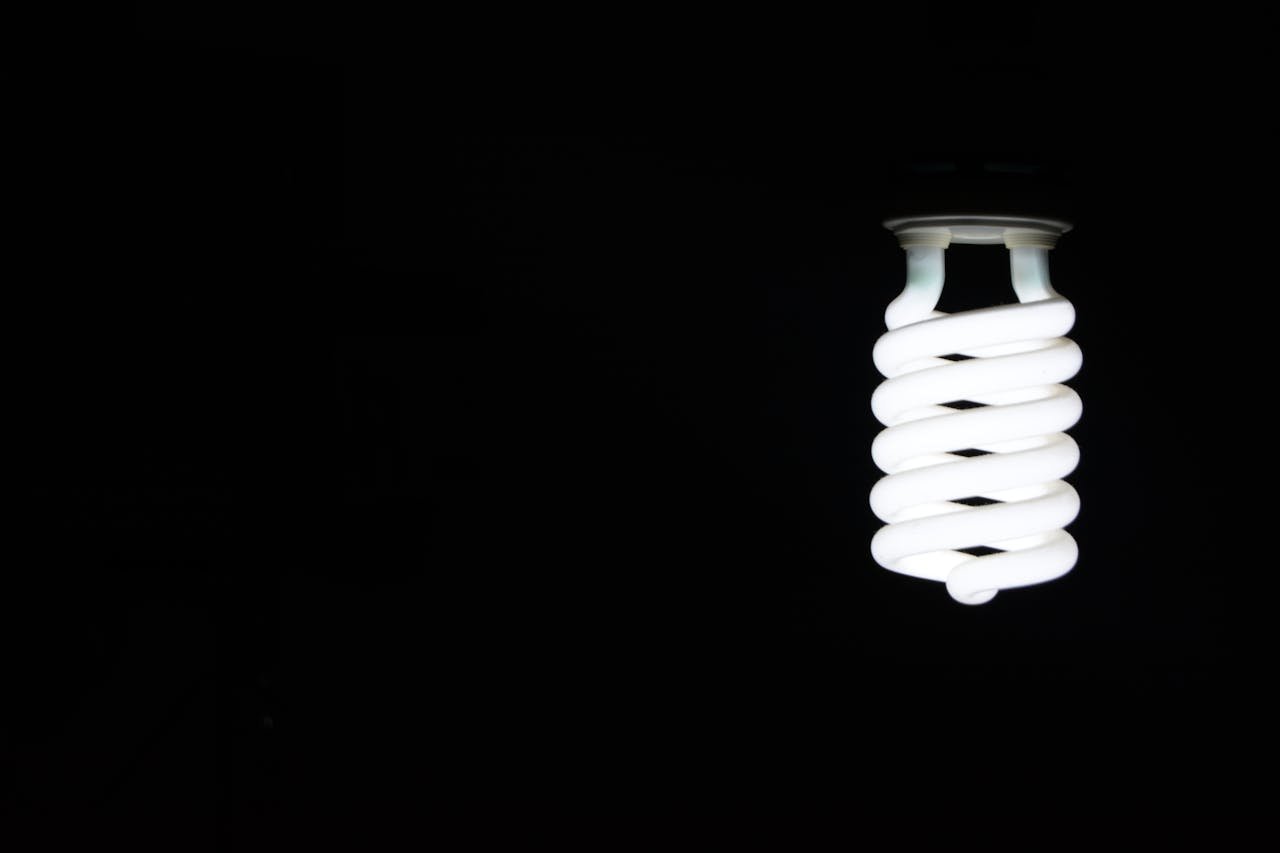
[{"x": 1011, "y": 231}]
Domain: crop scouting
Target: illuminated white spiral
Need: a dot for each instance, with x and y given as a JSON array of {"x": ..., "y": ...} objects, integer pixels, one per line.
[{"x": 1017, "y": 359}]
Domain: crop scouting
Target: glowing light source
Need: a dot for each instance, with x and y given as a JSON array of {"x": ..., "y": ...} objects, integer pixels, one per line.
[{"x": 974, "y": 447}]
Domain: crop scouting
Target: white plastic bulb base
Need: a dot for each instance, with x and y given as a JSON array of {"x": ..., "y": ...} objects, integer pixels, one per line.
[{"x": 974, "y": 448}]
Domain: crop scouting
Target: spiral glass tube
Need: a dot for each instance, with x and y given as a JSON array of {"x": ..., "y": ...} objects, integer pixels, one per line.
[{"x": 974, "y": 447}]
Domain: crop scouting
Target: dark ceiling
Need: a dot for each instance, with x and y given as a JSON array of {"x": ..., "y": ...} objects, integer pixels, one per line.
[{"x": 482, "y": 417}]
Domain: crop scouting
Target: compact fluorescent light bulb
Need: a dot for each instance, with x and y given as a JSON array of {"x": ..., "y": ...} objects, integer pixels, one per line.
[{"x": 974, "y": 447}]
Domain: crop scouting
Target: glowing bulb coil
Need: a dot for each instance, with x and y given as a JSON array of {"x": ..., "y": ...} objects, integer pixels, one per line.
[{"x": 988, "y": 475}]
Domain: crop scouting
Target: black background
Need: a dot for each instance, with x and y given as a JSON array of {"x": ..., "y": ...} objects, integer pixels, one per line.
[{"x": 472, "y": 418}]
